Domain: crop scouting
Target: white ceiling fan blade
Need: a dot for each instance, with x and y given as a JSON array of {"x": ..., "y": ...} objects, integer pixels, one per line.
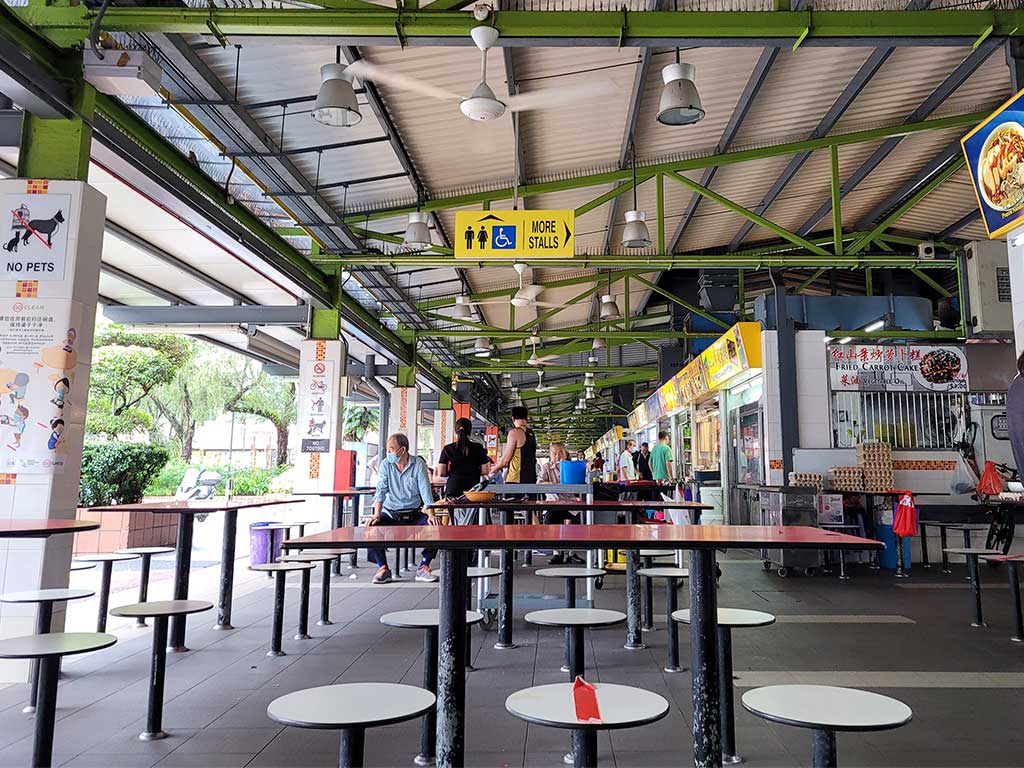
[
  {"x": 529, "y": 292},
  {"x": 545, "y": 304},
  {"x": 558, "y": 97},
  {"x": 364, "y": 70},
  {"x": 485, "y": 303}
]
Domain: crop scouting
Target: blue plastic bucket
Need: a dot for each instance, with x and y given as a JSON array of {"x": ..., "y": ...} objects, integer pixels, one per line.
[
  {"x": 258, "y": 535},
  {"x": 572, "y": 472}
]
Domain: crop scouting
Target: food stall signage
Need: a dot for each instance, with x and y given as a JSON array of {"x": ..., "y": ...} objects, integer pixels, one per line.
[
  {"x": 875, "y": 368},
  {"x": 653, "y": 405},
  {"x": 691, "y": 382},
  {"x": 735, "y": 351},
  {"x": 669, "y": 396},
  {"x": 995, "y": 155}
]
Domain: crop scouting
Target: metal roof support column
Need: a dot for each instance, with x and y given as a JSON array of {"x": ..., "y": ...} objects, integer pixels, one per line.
[
  {"x": 837, "y": 215},
  {"x": 956, "y": 78}
]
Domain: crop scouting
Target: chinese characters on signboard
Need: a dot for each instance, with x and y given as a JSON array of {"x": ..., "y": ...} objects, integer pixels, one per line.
[{"x": 875, "y": 368}]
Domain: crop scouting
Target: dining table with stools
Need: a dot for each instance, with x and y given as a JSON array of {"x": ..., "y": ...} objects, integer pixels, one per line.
[
  {"x": 280, "y": 572},
  {"x": 455, "y": 544},
  {"x": 145, "y": 554},
  {"x": 944, "y": 527},
  {"x": 339, "y": 498},
  {"x": 186, "y": 512},
  {"x": 1013, "y": 564},
  {"x": 106, "y": 562},
  {"x": 43, "y": 527},
  {"x": 971, "y": 554}
]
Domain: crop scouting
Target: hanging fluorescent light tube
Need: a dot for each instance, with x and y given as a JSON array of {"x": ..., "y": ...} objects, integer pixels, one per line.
[
  {"x": 846, "y": 339},
  {"x": 875, "y": 326}
]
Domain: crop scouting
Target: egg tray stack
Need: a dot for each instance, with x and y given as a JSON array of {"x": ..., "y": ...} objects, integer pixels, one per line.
[
  {"x": 875, "y": 459},
  {"x": 846, "y": 479},
  {"x": 807, "y": 480}
]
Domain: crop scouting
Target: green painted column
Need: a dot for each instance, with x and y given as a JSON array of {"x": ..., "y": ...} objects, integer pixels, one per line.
[
  {"x": 58, "y": 149},
  {"x": 406, "y": 376},
  {"x": 325, "y": 324},
  {"x": 444, "y": 402}
]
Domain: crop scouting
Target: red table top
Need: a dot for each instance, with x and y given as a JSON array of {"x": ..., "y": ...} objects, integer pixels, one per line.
[
  {"x": 604, "y": 504},
  {"x": 16, "y": 528},
  {"x": 1004, "y": 558},
  {"x": 584, "y": 537},
  {"x": 192, "y": 507}
]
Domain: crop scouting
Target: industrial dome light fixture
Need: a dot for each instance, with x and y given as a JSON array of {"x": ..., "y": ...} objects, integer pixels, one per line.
[
  {"x": 482, "y": 347},
  {"x": 680, "y": 102},
  {"x": 598, "y": 344},
  {"x": 463, "y": 308},
  {"x": 336, "y": 104},
  {"x": 417, "y": 234},
  {"x": 609, "y": 309},
  {"x": 635, "y": 234}
]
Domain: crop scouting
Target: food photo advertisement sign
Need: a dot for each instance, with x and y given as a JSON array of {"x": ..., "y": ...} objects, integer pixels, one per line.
[{"x": 995, "y": 154}]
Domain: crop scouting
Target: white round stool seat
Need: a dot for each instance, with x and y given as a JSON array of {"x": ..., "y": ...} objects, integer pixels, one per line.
[
  {"x": 827, "y": 707},
  {"x": 275, "y": 526},
  {"x": 334, "y": 552},
  {"x": 571, "y": 572},
  {"x": 732, "y": 617},
  {"x": 311, "y": 557},
  {"x": 302, "y": 522},
  {"x": 351, "y": 705},
  {"x": 45, "y": 595},
  {"x": 665, "y": 572},
  {"x": 82, "y": 566},
  {"x": 161, "y": 608},
  {"x": 972, "y": 551},
  {"x": 621, "y": 706},
  {"x": 283, "y": 567},
  {"x": 54, "y": 644},
  {"x": 476, "y": 572},
  {"x": 421, "y": 618},
  {"x": 144, "y": 551},
  {"x": 105, "y": 557},
  {"x": 657, "y": 552},
  {"x": 576, "y": 617}
]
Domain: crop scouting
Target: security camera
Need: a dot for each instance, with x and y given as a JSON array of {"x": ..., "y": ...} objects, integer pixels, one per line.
[{"x": 482, "y": 11}]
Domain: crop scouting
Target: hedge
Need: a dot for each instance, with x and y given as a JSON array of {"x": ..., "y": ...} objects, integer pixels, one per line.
[{"x": 117, "y": 473}]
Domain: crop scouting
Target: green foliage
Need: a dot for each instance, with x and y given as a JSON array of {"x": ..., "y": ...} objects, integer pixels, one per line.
[
  {"x": 117, "y": 473},
  {"x": 167, "y": 480},
  {"x": 357, "y": 420},
  {"x": 252, "y": 481},
  {"x": 268, "y": 397}
]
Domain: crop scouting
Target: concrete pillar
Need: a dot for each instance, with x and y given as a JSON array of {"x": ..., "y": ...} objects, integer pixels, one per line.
[
  {"x": 405, "y": 407},
  {"x": 51, "y": 224},
  {"x": 1015, "y": 248},
  {"x": 444, "y": 425}
]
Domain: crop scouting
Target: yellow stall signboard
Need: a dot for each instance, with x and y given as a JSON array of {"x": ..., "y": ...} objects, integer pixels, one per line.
[
  {"x": 733, "y": 352},
  {"x": 514, "y": 234}
]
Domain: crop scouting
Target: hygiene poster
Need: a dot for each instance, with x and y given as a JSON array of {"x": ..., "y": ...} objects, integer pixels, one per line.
[
  {"x": 38, "y": 360},
  {"x": 994, "y": 152}
]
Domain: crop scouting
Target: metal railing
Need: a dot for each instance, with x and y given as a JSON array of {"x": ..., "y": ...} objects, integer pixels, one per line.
[{"x": 904, "y": 420}]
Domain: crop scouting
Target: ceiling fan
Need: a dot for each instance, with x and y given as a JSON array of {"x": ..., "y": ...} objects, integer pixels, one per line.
[
  {"x": 541, "y": 387},
  {"x": 536, "y": 359},
  {"x": 526, "y": 296},
  {"x": 482, "y": 104}
]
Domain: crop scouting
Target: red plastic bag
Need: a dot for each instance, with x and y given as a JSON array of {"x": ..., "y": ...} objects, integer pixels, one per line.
[
  {"x": 904, "y": 523},
  {"x": 991, "y": 483},
  {"x": 585, "y": 698}
]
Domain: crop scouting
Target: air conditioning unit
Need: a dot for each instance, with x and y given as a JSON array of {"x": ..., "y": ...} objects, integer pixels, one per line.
[
  {"x": 988, "y": 286},
  {"x": 926, "y": 250},
  {"x": 122, "y": 73}
]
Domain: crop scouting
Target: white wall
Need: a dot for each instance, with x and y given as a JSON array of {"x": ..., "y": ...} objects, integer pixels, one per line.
[
  {"x": 773, "y": 401},
  {"x": 812, "y": 389}
]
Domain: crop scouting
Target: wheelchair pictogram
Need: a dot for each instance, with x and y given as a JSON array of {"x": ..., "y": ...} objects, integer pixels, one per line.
[{"x": 503, "y": 237}]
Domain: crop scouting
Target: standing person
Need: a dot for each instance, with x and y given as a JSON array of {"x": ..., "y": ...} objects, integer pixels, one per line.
[
  {"x": 403, "y": 498},
  {"x": 597, "y": 465},
  {"x": 581, "y": 456},
  {"x": 462, "y": 464},
  {"x": 627, "y": 471},
  {"x": 520, "y": 454},
  {"x": 551, "y": 473},
  {"x": 643, "y": 462},
  {"x": 661, "y": 458}
]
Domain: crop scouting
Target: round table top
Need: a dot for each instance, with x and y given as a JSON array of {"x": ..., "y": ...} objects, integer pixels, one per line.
[
  {"x": 972, "y": 551},
  {"x": 477, "y": 572},
  {"x": 283, "y": 567},
  {"x": 576, "y": 617},
  {"x": 827, "y": 707},
  {"x": 144, "y": 550},
  {"x": 308, "y": 557},
  {"x": 161, "y": 608},
  {"x": 54, "y": 644},
  {"x": 657, "y": 552},
  {"x": 1001, "y": 558},
  {"x": 302, "y": 522},
  {"x": 82, "y": 566},
  {"x": 351, "y": 704},
  {"x": 578, "y": 572},
  {"x": 621, "y": 706},
  {"x": 731, "y": 617},
  {"x": 665, "y": 571},
  {"x": 333, "y": 552},
  {"x": 104, "y": 557},
  {"x": 421, "y": 618},
  {"x": 45, "y": 595},
  {"x": 17, "y": 527},
  {"x": 962, "y": 526}
]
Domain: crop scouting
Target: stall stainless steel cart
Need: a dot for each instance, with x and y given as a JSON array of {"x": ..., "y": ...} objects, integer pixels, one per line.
[{"x": 785, "y": 506}]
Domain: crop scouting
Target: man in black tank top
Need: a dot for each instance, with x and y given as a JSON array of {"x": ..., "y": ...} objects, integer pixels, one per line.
[{"x": 520, "y": 454}]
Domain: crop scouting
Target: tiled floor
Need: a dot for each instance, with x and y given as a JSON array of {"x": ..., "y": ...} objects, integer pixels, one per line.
[{"x": 965, "y": 685}]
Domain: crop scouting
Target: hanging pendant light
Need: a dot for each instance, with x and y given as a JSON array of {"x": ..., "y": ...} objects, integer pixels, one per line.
[
  {"x": 680, "y": 102},
  {"x": 417, "y": 234},
  {"x": 336, "y": 104},
  {"x": 482, "y": 347},
  {"x": 609, "y": 309},
  {"x": 599, "y": 344},
  {"x": 463, "y": 310},
  {"x": 635, "y": 234}
]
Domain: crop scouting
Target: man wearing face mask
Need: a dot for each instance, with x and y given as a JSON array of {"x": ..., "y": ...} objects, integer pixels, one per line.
[{"x": 403, "y": 492}]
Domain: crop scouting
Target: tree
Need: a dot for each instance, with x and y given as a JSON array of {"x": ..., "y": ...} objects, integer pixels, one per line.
[
  {"x": 357, "y": 420},
  {"x": 268, "y": 397},
  {"x": 126, "y": 367}
]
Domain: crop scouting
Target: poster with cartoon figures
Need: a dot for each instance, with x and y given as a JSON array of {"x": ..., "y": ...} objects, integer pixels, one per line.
[
  {"x": 34, "y": 234},
  {"x": 38, "y": 361}
]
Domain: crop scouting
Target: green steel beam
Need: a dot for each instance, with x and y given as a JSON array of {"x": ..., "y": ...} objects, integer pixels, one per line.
[
  {"x": 861, "y": 334},
  {"x": 617, "y": 176},
  {"x": 803, "y": 286},
  {"x": 70, "y": 25},
  {"x": 565, "y": 282},
  {"x": 837, "y": 195},
  {"x": 554, "y": 333},
  {"x": 609, "y": 195},
  {"x": 369, "y": 234},
  {"x": 549, "y": 313},
  {"x": 746, "y": 213},
  {"x": 684, "y": 304},
  {"x": 517, "y": 368},
  {"x": 660, "y": 210},
  {"x": 632, "y": 378},
  {"x": 469, "y": 323},
  {"x": 930, "y": 281}
]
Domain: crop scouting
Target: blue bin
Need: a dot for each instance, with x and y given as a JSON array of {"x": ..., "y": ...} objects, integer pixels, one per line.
[
  {"x": 258, "y": 535},
  {"x": 572, "y": 472},
  {"x": 887, "y": 557}
]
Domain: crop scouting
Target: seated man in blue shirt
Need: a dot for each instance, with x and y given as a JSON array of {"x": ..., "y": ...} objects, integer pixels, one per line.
[{"x": 403, "y": 493}]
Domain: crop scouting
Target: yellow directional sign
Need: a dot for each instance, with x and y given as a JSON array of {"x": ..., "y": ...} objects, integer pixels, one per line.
[{"x": 514, "y": 234}]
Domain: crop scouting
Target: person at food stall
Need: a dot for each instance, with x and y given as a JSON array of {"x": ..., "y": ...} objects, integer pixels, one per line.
[
  {"x": 1015, "y": 415},
  {"x": 597, "y": 465},
  {"x": 520, "y": 454},
  {"x": 661, "y": 458},
  {"x": 551, "y": 474},
  {"x": 643, "y": 462},
  {"x": 403, "y": 497},
  {"x": 462, "y": 464},
  {"x": 581, "y": 456},
  {"x": 627, "y": 470}
]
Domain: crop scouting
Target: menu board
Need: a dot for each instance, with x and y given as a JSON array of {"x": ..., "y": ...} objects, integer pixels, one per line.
[
  {"x": 653, "y": 404},
  {"x": 995, "y": 156},
  {"x": 876, "y": 368},
  {"x": 733, "y": 352},
  {"x": 691, "y": 383},
  {"x": 669, "y": 396}
]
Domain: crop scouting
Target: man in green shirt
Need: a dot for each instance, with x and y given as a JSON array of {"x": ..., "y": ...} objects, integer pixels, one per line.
[{"x": 661, "y": 458}]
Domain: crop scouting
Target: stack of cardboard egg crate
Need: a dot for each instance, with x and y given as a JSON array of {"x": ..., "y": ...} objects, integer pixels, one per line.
[
  {"x": 875, "y": 460},
  {"x": 807, "y": 480},
  {"x": 846, "y": 479}
]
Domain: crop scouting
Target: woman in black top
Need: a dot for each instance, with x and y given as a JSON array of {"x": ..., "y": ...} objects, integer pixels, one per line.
[{"x": 462, "y": 462}]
